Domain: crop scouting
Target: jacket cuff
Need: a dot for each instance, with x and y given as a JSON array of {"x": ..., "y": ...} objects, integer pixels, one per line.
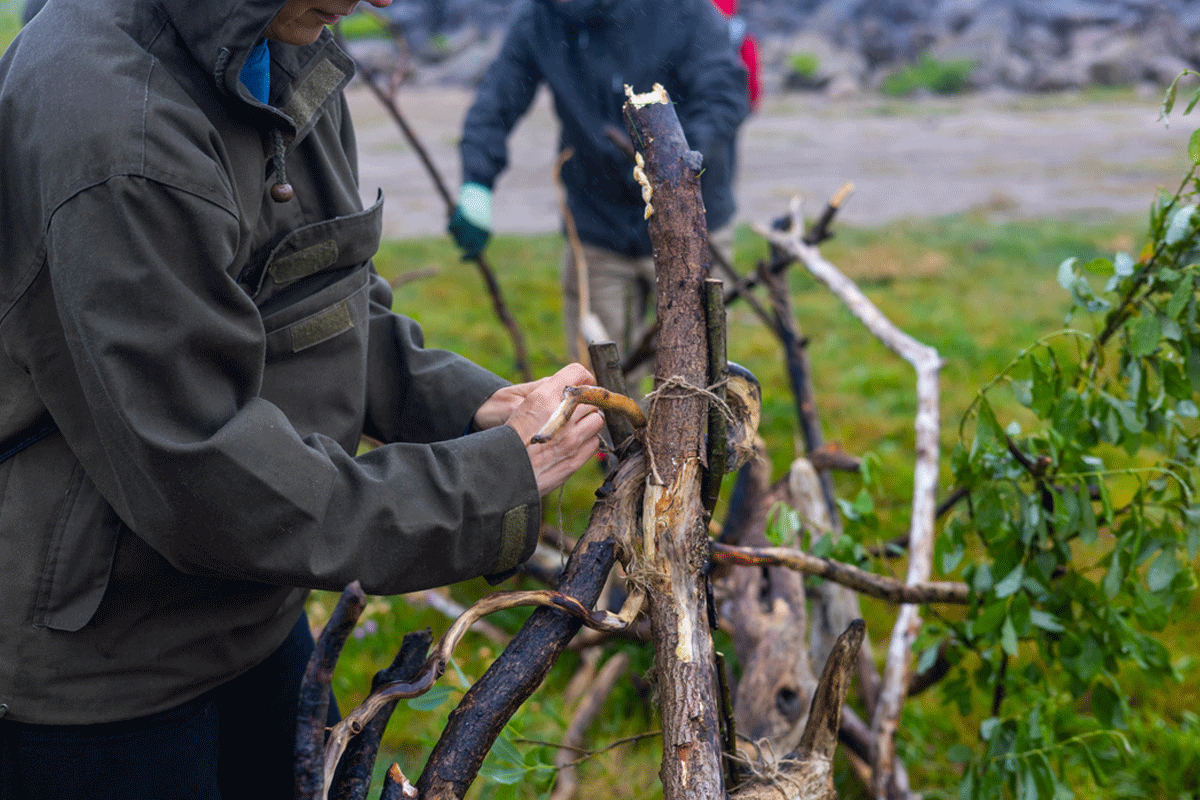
[
  {"x": 520, "y": 526},
  {"x": 519, "y": 532}
]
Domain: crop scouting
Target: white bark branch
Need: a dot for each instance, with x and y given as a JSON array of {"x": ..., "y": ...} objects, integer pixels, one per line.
[{"x": 927, "y": 363}]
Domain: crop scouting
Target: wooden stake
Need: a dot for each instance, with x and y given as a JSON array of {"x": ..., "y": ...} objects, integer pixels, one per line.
[{"x": 675, "y": 540}]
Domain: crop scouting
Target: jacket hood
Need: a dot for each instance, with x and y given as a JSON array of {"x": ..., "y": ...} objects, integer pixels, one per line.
[{"x": 221, "y": 33}]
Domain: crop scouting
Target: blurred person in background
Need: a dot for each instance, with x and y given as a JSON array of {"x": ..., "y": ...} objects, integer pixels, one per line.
[{"x": 587, "y": 52}]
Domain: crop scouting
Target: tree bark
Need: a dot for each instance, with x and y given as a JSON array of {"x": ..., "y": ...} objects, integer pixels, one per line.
[{"x": 675, "y": 542}]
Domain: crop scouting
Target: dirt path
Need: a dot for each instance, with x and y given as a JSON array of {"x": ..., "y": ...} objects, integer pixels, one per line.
[{"x": 1023, "y": 157}]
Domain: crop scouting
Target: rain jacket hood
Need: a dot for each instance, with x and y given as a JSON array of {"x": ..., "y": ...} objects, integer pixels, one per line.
[{"x": 187, "y": 367}]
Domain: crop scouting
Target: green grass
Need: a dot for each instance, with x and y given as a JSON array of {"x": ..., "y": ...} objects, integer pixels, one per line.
[
  {"x": 975, "y": 289},
  {"x": 10, "y": 22}
]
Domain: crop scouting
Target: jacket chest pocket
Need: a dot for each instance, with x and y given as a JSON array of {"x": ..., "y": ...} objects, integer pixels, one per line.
[{"x": 314, "y": 298}]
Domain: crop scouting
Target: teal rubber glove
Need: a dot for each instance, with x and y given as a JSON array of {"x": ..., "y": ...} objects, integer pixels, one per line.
[{"x": 471, "y": 224}]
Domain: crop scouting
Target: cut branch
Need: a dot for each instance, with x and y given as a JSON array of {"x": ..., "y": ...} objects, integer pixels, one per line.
[
  {"x": 674, "y": 546},
  {"x": 312, "y": 714}
]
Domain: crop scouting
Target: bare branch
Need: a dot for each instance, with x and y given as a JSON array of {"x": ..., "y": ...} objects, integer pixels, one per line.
[
  {"x": 927, "y": 363},
  {"x": 860, "y": 580}
]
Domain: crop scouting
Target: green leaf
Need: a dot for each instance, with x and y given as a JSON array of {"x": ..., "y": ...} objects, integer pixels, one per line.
[
  {"x": 1123, "y": 265},
  {"x": 1100, "y": 266},
  {"x": 1175, "y": 382},
  {"x": 1169, "y": 99},
  {"x": 1043, "y": 389},
  {"x": 1008, "y": 637},
  {"x": 1115, "y": 577},
  {"x": 927, "y": 659},
  {"x": 1046, "y": 621},
  {"x": 959, "y": 754},
  {"x": 864, "y": 504},
  {"x": 1066, "y": 273},
  {"x": 1162, "y": 571},
  {"x": 1193, "y": 531},
  {"x": 431, "y": 699},
  {"x": 1181, "y": 295},
  {"x": 1010, "y": 582},
  {"x": 988, "y": 727},
  {"x": 503, "y": 775},
  {"x": 989, "y": 618},
  {"x": 989, "y": 426},
  {"x": 1067, "y": 414},
  {"x": 1087, "y": 517},
  {"x": 1180, "y": 224},
  {"x": 1194, "y": 147},
  {"x": 1147, "y": 332},
  {"x": 1193, "y": 365},
  {"x": 1106, "y": 706},
  {"x": 504, "y": 750}
]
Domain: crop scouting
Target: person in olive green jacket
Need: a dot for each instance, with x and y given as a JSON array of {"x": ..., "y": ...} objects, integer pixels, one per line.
[{"x": 194, "y": 340}]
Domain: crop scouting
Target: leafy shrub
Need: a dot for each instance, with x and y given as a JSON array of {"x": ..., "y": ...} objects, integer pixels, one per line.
[
  {"x": 1087, "y": 522},
  {"x": 804, "y": 65},
  {"x": 939, "y": 77}
]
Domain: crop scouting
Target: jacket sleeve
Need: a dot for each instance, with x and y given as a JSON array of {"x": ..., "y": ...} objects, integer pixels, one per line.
[
  {"x": 157, "y": 393},
  {"x": 714, "y": 81},
  {"x": 414, "y": 393},
  {"x": 504, "y": 95}
]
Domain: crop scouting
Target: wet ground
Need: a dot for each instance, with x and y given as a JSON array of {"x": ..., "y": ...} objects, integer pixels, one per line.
[{"x": 1014, "y": 156}]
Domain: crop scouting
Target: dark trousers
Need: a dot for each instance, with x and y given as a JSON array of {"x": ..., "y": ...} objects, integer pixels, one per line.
[{"x": 233, "y": 742}]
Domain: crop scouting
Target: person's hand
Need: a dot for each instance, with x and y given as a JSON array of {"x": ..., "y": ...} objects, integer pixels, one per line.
[
  {"x": 532, "y": 404},
  {"x": 471, "y": 223}
]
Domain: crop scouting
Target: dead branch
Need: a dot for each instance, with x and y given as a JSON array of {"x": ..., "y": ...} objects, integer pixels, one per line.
[
  {"x": 589, "y": 328},
  {"x": 353, "y": 776},
  {"x": 868, "y": 583},
  {"x": 606, "y": 366},
  {"x": 718, "y": 376},
  {"x": 439, "y": 600},
  {"x": 474, "y": 725},
  {"x": 807, "y": 774},
  {"x": 396, "y": 786},
  {"x": 597, "y": 396},
  {"x": 674, "y": 532},
  {"x": 435, "y": 665},
  {"x": 927, "y": 363},
  {"x": 312, "y": 714}
]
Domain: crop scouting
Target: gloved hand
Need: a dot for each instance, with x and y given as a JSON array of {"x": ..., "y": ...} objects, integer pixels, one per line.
[{"x": 471, "y": 224}]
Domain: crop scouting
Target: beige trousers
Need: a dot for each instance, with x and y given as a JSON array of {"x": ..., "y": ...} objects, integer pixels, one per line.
[{"x": 620, "y": 294}]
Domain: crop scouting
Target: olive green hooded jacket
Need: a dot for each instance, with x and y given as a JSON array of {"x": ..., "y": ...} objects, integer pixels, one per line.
[{"x": 188, "y": 367}]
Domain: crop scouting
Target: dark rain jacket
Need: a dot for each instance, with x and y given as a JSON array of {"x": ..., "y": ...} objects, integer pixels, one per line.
[
  {"x": 187, "y": 367},
  {"x": 587, "y": 51}
]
